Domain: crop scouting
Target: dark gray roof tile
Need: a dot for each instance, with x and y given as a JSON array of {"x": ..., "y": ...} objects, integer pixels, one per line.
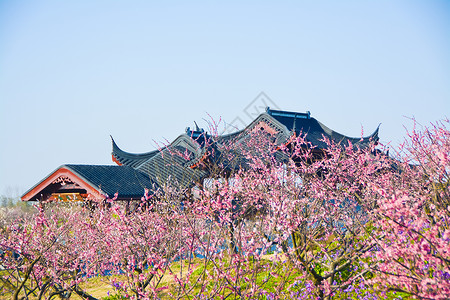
[{"x": 126, "y": 181}]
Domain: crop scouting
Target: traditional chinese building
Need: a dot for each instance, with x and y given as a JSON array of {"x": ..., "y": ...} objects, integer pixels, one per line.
[{"x": 182, "y": 162}]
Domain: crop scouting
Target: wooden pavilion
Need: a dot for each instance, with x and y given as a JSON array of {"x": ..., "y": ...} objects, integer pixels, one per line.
[{"x": 178, "y": 163}]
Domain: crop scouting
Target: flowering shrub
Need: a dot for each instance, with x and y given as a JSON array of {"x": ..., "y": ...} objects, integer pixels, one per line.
[
  {"x": 271, "y": 222},
  {"x": 413, "y": 218}
]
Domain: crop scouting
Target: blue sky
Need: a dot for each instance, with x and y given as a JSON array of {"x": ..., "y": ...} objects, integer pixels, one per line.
[{"x": 74, "y": 72}]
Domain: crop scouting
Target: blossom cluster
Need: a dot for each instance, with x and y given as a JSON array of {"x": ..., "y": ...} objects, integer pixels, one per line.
[{"x": 270, "y": 222}]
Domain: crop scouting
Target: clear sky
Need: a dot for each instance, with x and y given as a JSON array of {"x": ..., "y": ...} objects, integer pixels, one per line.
[{"x": 74, "y": 72}]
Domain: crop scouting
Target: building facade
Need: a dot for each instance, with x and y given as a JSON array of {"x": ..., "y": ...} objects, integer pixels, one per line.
[{"x": 185, "y": 162}]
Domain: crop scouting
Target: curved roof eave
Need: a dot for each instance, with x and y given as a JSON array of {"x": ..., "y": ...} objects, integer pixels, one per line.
[
  {"x": 334, "y": 134},
  {"x": 124, "y": 157}
]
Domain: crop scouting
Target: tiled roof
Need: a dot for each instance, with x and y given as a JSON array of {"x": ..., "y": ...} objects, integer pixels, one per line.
[
  {"x": 302, "y": 123},
  {"x": 170, "y": 167},
  {"x": 126, "y": 181},
  {"x": 178, "y": 162},
  {"x": 162, "y": 165},
  {"x": 170, "y": 164},
  {"x": 130, "y": 159}
]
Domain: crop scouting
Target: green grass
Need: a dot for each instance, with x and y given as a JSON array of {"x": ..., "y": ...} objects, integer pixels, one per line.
[{"x": 268, "y": 274}]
